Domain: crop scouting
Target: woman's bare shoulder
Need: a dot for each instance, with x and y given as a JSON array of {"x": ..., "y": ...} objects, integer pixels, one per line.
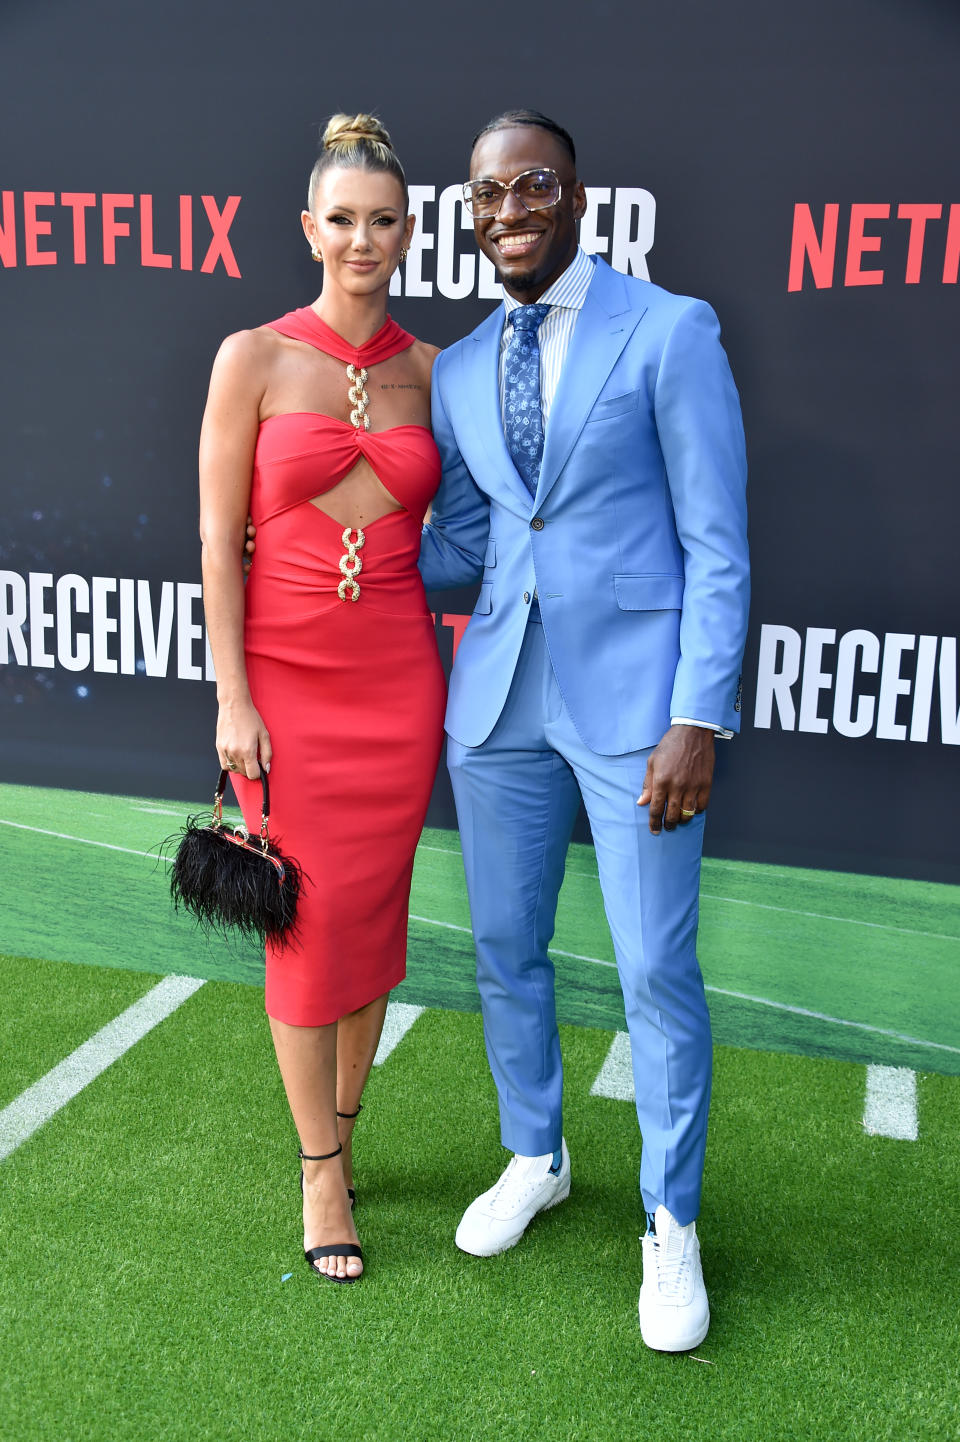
[
  {"x": 249, "y": 347},
  {"x": 422, "y": 356},
  {"x": 426, "y": 351},
  {"x": 246, "y": 359}
]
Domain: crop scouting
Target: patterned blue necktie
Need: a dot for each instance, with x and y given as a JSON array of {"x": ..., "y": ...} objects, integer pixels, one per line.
[{"x": 522, "y": 417}]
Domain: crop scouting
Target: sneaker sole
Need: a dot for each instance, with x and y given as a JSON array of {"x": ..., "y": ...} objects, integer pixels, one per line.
[{"x": 685, "y": 1344}]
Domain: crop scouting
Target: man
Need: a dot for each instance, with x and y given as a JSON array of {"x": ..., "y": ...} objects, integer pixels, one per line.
[{"x": 594, "y": 476}]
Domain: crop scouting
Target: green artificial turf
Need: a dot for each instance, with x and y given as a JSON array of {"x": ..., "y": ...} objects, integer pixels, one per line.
[
  {"x": 147, "y": 1229},
  {"x": 37, "y": 1031},
  {"x": 781, "y": 948}
]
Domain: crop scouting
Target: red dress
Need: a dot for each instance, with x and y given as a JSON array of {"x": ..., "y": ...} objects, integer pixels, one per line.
[{"x": 350, "y": 688}]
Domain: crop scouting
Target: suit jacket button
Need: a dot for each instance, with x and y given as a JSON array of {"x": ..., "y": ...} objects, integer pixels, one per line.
[
  {"x": 526, "y": 598},
  {"x": 537, "y": 523}
]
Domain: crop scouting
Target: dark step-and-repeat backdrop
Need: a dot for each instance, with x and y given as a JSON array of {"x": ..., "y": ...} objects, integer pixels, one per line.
[{"x": 797, "y": 168}]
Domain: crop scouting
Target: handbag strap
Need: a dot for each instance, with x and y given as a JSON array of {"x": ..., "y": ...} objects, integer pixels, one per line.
[
  {"x": 264, "y": 810},
  {"x": 222, "y": 786}
]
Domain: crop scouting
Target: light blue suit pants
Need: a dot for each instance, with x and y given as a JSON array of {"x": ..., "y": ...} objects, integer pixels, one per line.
[{"x": 517, "y": 796}]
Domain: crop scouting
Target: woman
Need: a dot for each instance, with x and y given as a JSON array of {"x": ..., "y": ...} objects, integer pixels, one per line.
[{"x": 327, "y": 668}]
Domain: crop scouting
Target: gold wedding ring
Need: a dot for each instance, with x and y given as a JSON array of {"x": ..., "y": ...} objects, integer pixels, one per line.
[{"x": 685, "y": 812}]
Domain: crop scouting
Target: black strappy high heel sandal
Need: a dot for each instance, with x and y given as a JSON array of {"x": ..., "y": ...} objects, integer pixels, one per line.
[
  {"x": 349, "y": 1116},
  {"x": 328, "y": 1249}
]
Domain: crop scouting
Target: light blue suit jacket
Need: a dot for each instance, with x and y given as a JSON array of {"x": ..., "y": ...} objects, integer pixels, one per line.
[{"x": 636, "y": 539}]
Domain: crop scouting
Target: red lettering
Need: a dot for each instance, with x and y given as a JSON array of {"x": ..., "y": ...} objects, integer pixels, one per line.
[
  {"x": 186, "y": 232},
  {"x": 806, "y": 245},
  {"x": 112, "y": 227},
  {"x": 148, "y": 256},
  {"x": 857, "y": 243},
  {"x": 918, "y": 215},
  {"x": 219, "y": 244},
  {"x": 457, "y": 624},
  {"x": 951, "y": 259},
  {"x": 8, "y": 231},
  {"x": 79, "y": 202},
  {"x": 33, "y": 227}
]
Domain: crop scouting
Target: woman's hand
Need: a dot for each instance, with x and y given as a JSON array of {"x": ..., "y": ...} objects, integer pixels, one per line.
[
  {"x": 250, "y": 545},
  {"x": 242, "y": 739}
]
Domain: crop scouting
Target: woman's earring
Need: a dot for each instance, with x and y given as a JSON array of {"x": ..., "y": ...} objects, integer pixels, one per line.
[
  {"x": 316, "y": 254},
  {"x": 403, "y": 254}
]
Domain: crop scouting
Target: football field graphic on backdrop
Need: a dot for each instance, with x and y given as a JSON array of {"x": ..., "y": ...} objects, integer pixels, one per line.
[{"x": 861, "y": 968}]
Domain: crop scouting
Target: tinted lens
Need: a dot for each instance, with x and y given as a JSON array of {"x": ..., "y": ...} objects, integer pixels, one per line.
[
  {"x": 483, "y": 197},
  {"x": 537, "y": 189}
]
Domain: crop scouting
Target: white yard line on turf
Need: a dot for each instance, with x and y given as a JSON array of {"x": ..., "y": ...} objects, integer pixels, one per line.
[
  {"x": 615, "y": 1078},
  {"x": 834, "y": 1020},
  {"x": 40, "y": 1102},
  {"x": 576, "y": 956},
  {"x": 825, "y": 916},
  {"x": 890, "y": 1106},
  {"x": 447, "y": 925},
  {"x": 84, "y": 840},
  {"x": 397, "y": 1022}
]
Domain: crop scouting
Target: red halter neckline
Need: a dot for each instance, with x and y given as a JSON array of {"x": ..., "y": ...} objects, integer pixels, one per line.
[{"x": 304, "y": 324}]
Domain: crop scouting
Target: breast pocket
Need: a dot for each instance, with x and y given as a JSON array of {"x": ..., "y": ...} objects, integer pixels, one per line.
[{"x": 605, "y": 410}]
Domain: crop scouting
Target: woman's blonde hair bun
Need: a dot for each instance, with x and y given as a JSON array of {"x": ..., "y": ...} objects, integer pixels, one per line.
[
  {"x": 356, "y": 142},
  {"x": 349, "y": 130}
]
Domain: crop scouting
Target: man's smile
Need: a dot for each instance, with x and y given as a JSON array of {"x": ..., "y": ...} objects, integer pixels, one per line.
[{"x": 514, "y": 242}]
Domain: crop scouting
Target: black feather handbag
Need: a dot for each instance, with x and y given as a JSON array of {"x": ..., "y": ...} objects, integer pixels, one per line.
[{"x": 231, "y": 881}]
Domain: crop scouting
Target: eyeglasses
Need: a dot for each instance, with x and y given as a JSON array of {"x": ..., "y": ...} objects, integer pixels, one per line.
[{"x": 535, "y": 190}]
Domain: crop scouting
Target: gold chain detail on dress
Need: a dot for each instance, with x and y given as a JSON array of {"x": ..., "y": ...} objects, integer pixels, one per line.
[
  {"x": 350, "y": 564},
  {"x": 358, "y": 397}
]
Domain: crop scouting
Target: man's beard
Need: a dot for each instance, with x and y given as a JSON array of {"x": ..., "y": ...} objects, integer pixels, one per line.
[{"x": 528, "y": 281}]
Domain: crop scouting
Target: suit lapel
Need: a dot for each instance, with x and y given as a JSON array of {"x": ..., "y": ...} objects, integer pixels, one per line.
[
  {"x": 480, "y": 359},
  {"x": 604, "y": 326}
]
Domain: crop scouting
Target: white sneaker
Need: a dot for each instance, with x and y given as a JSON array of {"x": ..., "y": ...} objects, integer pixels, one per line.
[
  {"x": 498, "y": 1219},
  {"x": 674, "y": 1315}
]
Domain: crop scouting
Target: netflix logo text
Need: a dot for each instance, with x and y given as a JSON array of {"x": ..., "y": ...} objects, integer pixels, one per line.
[
  {"x": 875, "y": 237},
  {"x": 79, "y": 227}
]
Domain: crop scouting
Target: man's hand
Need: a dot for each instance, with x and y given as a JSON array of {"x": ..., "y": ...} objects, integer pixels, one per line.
[
  {"x": 679, "y": 776},
  {"x": 249, "y": 547}
]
